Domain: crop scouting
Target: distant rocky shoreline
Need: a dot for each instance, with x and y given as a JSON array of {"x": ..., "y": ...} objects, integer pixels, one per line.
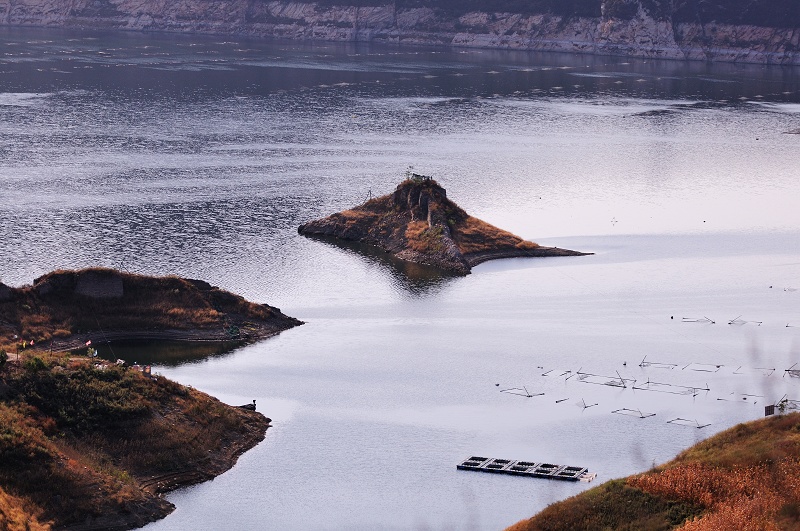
[{"x": 748, "y": 33}]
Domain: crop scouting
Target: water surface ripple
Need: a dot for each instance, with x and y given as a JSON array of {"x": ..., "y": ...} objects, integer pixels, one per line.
[{"x": 199, "y": 157}]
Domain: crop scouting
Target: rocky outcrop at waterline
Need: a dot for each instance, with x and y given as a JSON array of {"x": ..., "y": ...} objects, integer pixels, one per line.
[
  {"x": 753, "y": 31},
  {"x": 69, "y": 308},
  {"x": 418, "y": 223}
]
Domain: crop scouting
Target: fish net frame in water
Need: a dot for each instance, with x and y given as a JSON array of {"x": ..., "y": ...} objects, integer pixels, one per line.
[
  {"x": 638, "y": 413},
  {"x": 672, "y": 389},
  {"x": 520, "y": 391},
  {"x": 703, "y": 367},
  {"x": 688, "y": 423},
  {"x": 598, "y": 379}
]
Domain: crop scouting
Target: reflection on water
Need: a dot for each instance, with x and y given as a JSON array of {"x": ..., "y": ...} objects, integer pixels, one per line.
[
  {"x": 417, "y": 279},
  {"x": 167, "y": 353},
  {"x": 194, "y": 68}
]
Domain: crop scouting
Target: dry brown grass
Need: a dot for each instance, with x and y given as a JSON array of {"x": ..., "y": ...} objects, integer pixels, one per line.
[
  {"x": 744, "y": 498},
  {"x": 473, "y": 235},
  {"x": 369, "y": 211},
  {"x": 182, "y": 431},
  {"x": 148, "y": 303},
  {"x": 370, "y": 221},
  {"x": 17, "y": 514},
  {"x": 748, "y": 474},
  {"x": 356, "y": 217},
  {"x": 414, "y": 231},
  {"x": 423, "y": 238},
  {"x": 767, "y": 440},
  {"x": 745, "y": 478},
  {"x": 612, "y": 505},
  {"x": 75, "y": 440}
]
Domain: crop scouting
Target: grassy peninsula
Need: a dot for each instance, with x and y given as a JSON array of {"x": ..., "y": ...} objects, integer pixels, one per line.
[
  {"x": 91, "y": 446},
  {"x": 418, "y": 223},
  {"x": 746, "y": 478},
  {"x": 87, "y": 444}
]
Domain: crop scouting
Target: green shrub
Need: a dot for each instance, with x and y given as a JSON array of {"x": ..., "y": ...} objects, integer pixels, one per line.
[
  {"x": 88, "y": 398},
  {"x": 34, "y": 364}
]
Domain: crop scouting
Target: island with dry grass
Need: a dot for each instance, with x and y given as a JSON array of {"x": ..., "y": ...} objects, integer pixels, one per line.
[
  {"x": 65, "y": 309},
  {"x": 746, "y": 478},
  {"x": 90, "y": 444},
  {"x": 418, "y": 223}
]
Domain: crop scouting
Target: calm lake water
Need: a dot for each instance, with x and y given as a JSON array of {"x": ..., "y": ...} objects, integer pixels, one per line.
[{"x": 200, "y": 156}]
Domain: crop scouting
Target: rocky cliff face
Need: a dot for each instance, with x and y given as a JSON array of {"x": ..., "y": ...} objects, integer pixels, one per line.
[
  {"x": 675, "y": 29},
  {"x": 5, "y": 293}
]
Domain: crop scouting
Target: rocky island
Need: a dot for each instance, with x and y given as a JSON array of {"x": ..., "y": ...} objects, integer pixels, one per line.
[
  {"x": 66, "y": 309},
  {"x": 418, "y": 223},
  {"x": 88, "y": 444}
]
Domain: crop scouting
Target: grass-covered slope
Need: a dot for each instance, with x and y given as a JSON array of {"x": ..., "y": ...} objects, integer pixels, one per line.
[
  {"x": 16, "y": 515},
  {"x": 71, "y": 307},
  {"x": 87, "y": 445},
  {"x": 745, "y": 478},
  {"x": 418, "y": 223},
  {"x": 92, "y": 446}
]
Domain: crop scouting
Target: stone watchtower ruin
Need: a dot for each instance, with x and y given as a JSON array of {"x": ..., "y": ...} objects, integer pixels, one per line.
[{"x": 417, "y": 177}]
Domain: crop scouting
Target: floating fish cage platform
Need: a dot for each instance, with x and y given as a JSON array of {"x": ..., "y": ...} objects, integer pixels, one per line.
[{"x": 526, "y": 468}]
